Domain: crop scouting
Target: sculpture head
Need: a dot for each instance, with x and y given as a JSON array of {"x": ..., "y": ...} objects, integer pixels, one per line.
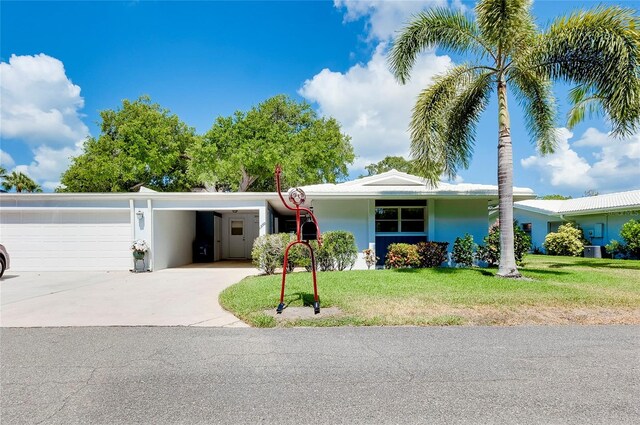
[{"x": 297, "y": 196}]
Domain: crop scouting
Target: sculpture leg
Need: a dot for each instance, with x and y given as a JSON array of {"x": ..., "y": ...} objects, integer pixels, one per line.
[
  {"x": 316, "y": 300},
  {"x": 284, "y": 278}
]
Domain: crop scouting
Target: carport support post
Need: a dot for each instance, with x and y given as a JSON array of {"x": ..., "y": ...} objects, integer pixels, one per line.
[{"x": 262, "y": 220}]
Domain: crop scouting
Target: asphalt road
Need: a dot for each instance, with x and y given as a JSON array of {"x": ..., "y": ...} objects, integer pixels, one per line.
[{"x": 474, "y": 375}]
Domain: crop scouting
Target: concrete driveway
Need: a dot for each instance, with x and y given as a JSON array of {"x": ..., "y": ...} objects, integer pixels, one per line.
[{"x": 186, "y": 296}]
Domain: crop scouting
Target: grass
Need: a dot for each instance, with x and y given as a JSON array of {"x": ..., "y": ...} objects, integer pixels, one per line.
[{"x": 558, "y": 290}]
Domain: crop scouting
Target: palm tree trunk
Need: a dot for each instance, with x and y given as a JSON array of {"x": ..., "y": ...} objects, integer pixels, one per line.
[{"x": 507, "y": 267}]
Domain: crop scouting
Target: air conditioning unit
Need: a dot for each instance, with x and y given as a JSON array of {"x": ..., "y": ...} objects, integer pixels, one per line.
[{"x": 593, "y": 251}]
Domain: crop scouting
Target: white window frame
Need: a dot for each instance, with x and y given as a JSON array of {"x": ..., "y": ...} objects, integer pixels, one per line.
[{"x": 399, "y": 221}]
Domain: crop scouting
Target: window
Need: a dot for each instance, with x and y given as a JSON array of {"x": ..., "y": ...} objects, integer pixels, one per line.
[
  {"x": 400, "y": 220},
  {"x": 526, "y": 227}
]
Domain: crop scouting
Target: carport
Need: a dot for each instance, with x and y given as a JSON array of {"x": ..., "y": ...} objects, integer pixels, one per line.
[{"x": 182, "y": 237}]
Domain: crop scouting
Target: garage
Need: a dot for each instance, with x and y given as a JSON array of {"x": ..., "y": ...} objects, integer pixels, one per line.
[
  {"x": 68, "y": 232},
  {"x": 63, "y": 239}
]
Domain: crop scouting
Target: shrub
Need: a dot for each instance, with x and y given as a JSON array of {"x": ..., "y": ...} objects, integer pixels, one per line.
[
  {"x": 490, "y": 251},
  {"x": 463, "y": 250},
  {"x": 630, "y": 232},
  {"x": 568, "y": 240},
  {"x": 338, "y": 251},
  {"x": 401, "y": 255},
  {"x": 298, "y": 255},
  {"x": 268, "y": 251},
  {"x": 432, "y": 254},
  {"x": 370, "y": 257},
  {"x": 324, "y": 259},
  {"x": 617, "y": 250},
  {"x": 342, "y": 248}
]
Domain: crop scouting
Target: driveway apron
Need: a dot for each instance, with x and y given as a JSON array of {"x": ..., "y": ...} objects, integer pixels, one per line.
[{"x": 186, "y": 296}]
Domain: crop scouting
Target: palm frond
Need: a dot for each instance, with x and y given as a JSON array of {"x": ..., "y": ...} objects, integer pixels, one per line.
[
  {"x": 436, "y": 27},
  {"x": 462, "y": 118},
  {"x": 429, "y": 127},
  {"x": 534, "y": 92},
  {"x": 584, "y": 102},
  {"x": 505, "y": 23},
  {"x": 598, "y": 49}
]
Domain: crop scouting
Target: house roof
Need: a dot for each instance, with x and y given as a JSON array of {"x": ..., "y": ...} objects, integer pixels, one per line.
[
  {"x": 590, "y": 204},
  {"x": 397, "y": 183}
]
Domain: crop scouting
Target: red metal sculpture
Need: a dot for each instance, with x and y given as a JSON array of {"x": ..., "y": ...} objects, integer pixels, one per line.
[{"x": 305, "y": 231}]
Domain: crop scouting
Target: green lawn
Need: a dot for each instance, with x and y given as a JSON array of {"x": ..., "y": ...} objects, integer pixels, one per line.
[{"x": 558, "y": 290}]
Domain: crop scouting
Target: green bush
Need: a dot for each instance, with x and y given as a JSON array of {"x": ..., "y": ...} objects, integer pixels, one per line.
[
  {"x": 432, "y": 254},
  {"x": 341, "y": 248},
  {"x": 630, "y": 232},
  {"x": 463, "y": 250},
  {"x": 490, "y": 251},
  {"x": 324, "y": 259},
  {"x": 616, "y": 249},
  {"x": 402, "y": 255},
  {"x": 568, "y": 240},
  {"x": 337, "y": 252},
  {"x": 268, "y": 251}
]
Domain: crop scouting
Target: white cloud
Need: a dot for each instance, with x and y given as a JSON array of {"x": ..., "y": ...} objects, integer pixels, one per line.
[
  {"x": 39, "y": 103},
  {"x": 384, "y": 18},
  {"x": 41, "y": 107},
  {"x": 48, "y": 164},
  {"x": 615, "y": 165},
  {"x": 372, "y": 107},
  {"x": 6, "y": 160}
]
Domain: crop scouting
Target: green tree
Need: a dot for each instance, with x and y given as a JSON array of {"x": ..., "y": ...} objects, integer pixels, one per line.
[
  {"x": 554, "y": 197},
  {"x": 139, "y": 144},
  {"x": 596, "y": 50},
  {"x": 240, "y": 152},
  {"x": 20, "y": 182},
  {"x": 390, "y": 163}
]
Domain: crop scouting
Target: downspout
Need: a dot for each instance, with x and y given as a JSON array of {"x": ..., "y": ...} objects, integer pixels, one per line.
[{"x": 151, "y": 230}]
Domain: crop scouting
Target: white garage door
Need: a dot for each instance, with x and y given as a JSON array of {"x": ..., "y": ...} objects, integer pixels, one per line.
[{"x": 60, "y": 240}]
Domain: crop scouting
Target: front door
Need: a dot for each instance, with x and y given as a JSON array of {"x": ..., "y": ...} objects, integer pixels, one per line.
[{"x": 236, "y": 238}]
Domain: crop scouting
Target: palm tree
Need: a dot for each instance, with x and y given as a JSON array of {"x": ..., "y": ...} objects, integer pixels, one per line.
[
  {"x": 597, "y": 50},
  {"x": 21, "y": 182}
]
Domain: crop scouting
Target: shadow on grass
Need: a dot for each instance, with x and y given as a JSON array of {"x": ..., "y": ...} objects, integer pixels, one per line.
[
  {"x": 599, "y": 264},
  {"x": 542, "y": 271},
  {"x": 307, "y": 299},
  {"x": 406, "y": 270}
]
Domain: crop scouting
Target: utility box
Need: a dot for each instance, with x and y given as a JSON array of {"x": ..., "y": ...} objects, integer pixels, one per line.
[
  {"x": 598, "y": 230},
  {"x": 593, "y": 251}
]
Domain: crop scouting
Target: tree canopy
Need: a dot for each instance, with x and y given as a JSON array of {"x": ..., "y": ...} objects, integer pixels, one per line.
[
  {"x": 240, "y": 152},
  {"x": 19, "y": 181},
  {"x": 596, "y": 50},
  {"x": 140, "y": 143},
  {"x": 391, "y": 163}
]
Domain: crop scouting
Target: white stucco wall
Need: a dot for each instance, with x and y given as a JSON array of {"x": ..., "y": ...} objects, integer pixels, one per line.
[
  {"x": 453, "y": 218},
  {"x": 616, "y": 220},
  {"x": 539, "y": 225},
  {"x": 174, "y": 232},
  {"x": 612, "y": 222},
  {"x": 351, "y": 215}
]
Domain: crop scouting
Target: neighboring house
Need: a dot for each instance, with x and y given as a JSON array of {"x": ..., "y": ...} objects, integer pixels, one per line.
[
  {"x": 61, "y": 231},
  {"x": 600, "y": 217}
]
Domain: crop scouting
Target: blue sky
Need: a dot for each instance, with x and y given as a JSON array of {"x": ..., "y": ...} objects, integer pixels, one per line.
[{"x": 63, "y": 62}]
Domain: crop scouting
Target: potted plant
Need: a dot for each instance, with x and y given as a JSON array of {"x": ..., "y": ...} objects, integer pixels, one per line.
[{"x": 139, "y": 248}]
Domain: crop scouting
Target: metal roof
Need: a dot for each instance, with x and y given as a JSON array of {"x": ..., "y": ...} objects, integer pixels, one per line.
[
  {"x": 396, "y": 183},
  {"x": 618, "y": 201}
]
